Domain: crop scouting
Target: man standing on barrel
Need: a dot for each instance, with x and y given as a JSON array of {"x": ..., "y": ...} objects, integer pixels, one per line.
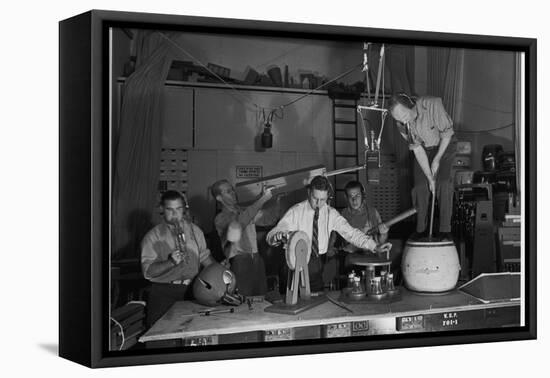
[{"x": 428, "y": 130}]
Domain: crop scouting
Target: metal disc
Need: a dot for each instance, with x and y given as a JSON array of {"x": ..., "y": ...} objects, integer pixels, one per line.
[{"x": 368, "y": 260}]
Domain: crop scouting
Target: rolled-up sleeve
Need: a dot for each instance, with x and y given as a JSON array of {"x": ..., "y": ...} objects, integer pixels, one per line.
[
  {"x": 352, "y": 235},
  {"x": 148, "y": 254},
  {"x": 441, "y": 119}
]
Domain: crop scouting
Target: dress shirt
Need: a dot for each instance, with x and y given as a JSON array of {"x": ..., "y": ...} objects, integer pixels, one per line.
[
  {"x": 431, "y": 124},
  {"x": 160, "y": 242},
  {"x": 300, "y": 218}
]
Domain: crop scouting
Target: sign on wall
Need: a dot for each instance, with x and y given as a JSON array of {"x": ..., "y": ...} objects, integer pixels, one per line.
[{"x": 248, "y": 171}]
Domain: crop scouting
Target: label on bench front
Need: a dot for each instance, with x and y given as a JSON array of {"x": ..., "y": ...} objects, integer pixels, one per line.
[
  {"x": 360, "y": 328},
  {"x": 449, "y": 319},
  {"x": 201, "y": 340},
  {"x": 410, "y": 323},
  {"x": 338, "y": 330},
  {"x": 280, "y": 334}
]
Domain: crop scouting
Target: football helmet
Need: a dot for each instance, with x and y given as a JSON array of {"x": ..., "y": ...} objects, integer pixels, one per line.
[{"x": 216, "y": 285}]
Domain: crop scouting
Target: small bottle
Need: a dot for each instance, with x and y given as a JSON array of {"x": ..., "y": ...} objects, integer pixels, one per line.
[
  {"x": 364, "y": 282},
  {"x": 351, "y": 278},
  {"x": 377, "y": 288},
  {"x": 370, "y": 273},
  {"x": 356, "y": 285},
  {"x": 383, "y": 280},
  {"x": 390, "y": 285},
  {"x": 372, "y": 289}
]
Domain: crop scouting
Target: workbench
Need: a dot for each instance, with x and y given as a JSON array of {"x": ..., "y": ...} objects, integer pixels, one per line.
[{"x": 182, "y": 325}]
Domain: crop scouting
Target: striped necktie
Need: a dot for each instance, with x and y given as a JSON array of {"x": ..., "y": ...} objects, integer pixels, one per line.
[
  {"x": 409, "y": 133},
  {"x": 315, "y": 233}
]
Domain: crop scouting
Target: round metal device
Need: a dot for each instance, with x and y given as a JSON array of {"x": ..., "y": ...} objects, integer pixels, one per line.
[
  {"x": 368, "y": 259},
  {"x": 298, "y": 243}
]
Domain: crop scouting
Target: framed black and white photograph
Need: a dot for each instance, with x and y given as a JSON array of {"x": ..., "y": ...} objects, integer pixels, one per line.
[{"x": 259, "y": 188}]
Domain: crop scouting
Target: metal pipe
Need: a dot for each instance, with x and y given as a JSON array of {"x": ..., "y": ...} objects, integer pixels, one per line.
[
  {"x": 400, "y": 217},
  {"x": 432, "y": 215},
  {"x": 393, "y": 221},
  {"x": 344, "y": 170}
]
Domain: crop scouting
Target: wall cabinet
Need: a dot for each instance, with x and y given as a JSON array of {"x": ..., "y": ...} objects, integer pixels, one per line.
[{"x": 177, "y": 117}]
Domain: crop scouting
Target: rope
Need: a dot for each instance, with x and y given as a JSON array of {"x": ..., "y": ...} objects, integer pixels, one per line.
[
  {"x": 246, "y": 103},
  {"x": 121, "y": 332},
  {"x": 380, "y": 75},
  {"x": 323, "y": 85},
  {"x": 384, "y": 115},
  {"x": 366, "y": 46},
  {"x": 365, "y": 134}
]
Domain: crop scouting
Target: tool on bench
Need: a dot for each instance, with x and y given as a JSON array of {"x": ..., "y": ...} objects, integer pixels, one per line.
[{"x": 217, "y": 311}]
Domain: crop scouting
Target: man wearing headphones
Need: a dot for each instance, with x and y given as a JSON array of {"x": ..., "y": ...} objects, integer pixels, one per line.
[
  {"x": 171, "y": 255},
  {"x": 428, "y": 130},
  {"x": 361, "y": 216},
  {"x": 364, "y": 217},
  {"x": 317, "y": 219}
]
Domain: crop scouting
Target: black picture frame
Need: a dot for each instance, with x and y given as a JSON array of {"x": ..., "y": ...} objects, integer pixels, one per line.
[{"x": 84, "y": 187}]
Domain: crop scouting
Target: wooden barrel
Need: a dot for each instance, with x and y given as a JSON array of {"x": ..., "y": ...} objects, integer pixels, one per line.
[{"x": 430, "y": 266}]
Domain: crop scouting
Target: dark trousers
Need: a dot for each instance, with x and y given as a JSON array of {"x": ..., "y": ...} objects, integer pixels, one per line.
[
  {"x": 444, "y": 190},
  {"x": 161, "y": 298},
  {"x": 249, "y": 269},
  {"x": 315, "y": 267},
  {"x": 317, "y": 270}
]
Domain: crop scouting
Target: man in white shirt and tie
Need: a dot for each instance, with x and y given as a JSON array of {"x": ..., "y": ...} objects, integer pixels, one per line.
[{"x": 317, "y": 219}]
